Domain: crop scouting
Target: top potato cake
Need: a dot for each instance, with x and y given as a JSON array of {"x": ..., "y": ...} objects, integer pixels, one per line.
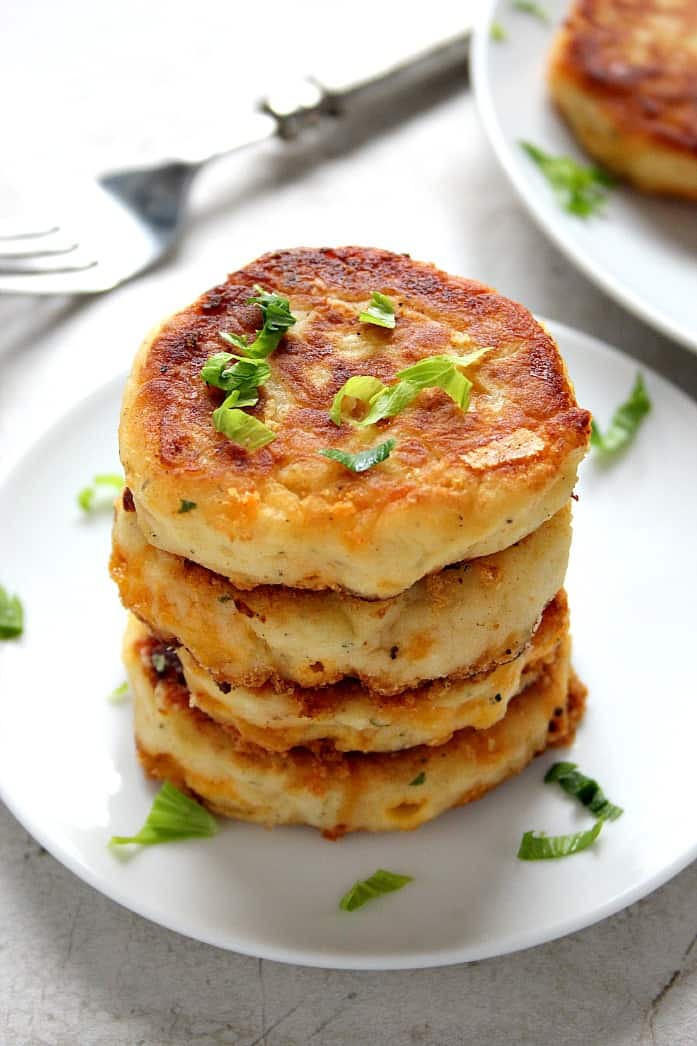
[
  {"x": 458, "y": 483},
  {"x": 624, "y": 74}
]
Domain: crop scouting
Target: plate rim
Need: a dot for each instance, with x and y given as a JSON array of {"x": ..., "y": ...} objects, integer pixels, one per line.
[
  {"x": 331, "y": 960},
  {"x": 595, "y": 271}
]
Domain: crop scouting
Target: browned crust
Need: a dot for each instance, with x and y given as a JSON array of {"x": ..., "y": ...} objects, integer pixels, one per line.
[
  {"x": 320, "y": 767},
  {"x": 325, "y": 702},
  {"x": 638, "y": 59},
  {"x": 170, "y": 411}
]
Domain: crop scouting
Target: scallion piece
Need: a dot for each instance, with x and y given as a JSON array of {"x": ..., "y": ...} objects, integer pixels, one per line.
[
  {"x": 118, "y": 695},
  {"x": 534, "y": 847},
  {"x": 380, "y": 312},
  {"x": 391, "y": 402},
  {"x": 528, "y": 7},
  {"x": 381, "y": 882},
  {"x": 364, "y": 459},
  {"x": 625, "y": 421},
  {"x": 11, "y": 616},
  {"x": 585, "y": 789},
  {"x": 243, "y": 429},
  {"x": 419, "y": 779},
  {"x": 497, "y": 32},
  {"x": 581, "y": 190},
  {"x": 363, "y": 387},
  {"x": 440, "y": 372},
  {"x": 101, "y": 493},
  {"x": 185, "y": 506},
  {"x": 173, "y": 815}
]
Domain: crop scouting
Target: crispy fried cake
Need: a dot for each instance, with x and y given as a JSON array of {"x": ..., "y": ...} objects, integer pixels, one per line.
[
  {"x": 458, "y": 484},
  {"x": 319, "y": 786},
  {"x": 465, "y": 619},
  {"x": 624, "y": 75}
]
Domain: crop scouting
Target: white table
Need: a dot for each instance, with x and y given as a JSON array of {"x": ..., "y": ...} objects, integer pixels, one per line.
[{"x": 74, "y": 967}]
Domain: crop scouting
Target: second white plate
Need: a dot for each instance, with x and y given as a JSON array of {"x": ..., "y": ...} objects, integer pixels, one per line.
[
  {"x": 641, "y": 250},
  {"x": 69, "y": 772}
]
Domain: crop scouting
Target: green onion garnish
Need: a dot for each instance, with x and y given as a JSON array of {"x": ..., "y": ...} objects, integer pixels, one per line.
[
  {"x": 173, "y": 815},
  {"x": 104, "y": 488},
  {"x": 364, "y": 459},
  {"x": 118, "y": 695},
  {"x": 581, "y": 189},
  {"x": 361, "y": 387},
  {"x": 497, "y": 32},
  {"x": 241, "y": 428},
  {"x": 419, "y": 779},
  {"x": 625, "y": 421},
  {"x": 585, "y": 789},
  {"x": 380, "y": 311},
  {"x": 277, "y": 318},
  {"x": 11, "y": 616},
  {"x": 185, "y": 506},
  {"x": 250, "y": 370},
  {"x": 391, "y": 402},
  {"x": 386, "y": 401},
  {"x": 245, "y": 376},
  {"x": 440, "y": 372},
  {"x": 542, "y": 847},
  {"x": 528, "y": 7},
  {"x": 365, "y": 890}
]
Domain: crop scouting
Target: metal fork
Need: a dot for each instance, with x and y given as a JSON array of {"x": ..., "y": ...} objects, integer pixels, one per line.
[{"x": 126, "y": 221}]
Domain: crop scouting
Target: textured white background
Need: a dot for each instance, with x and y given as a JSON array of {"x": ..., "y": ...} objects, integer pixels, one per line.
[{"x": 89, "y": 85}]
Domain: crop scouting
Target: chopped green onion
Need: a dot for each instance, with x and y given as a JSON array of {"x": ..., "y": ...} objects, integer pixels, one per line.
[
  {"x": 365, "y": 890},
  {"x": 364, "y": 459},
  {"x": 277, "y": 318},
  {"x": 362, "y": 387},
  {"x": 542, "y": 847},
  {"x": 11, "y": 616},
  {"x": 380, "y": 311},
  {"x": 173, "y": 816},
  {"x": 391, "y": 402},
  {"x": 625, "y": 421},
  {"x": 419, "y": 779},
  {"x": 105, "y": 486},
  {"x": 244, "y": 376},
  {"x": 585, "y": 789},
  {"x": 581, "y": 189},
  {"x": 250, "y": 370},
  {"x": 159, "y": 662},
  {"x": 185, "y": 506},
  {"x": 118, "y": 695},
  {"x": 241, "y": 428},
  {"x": 439, "y": 372},
  {"x": 528, "y": 7},
  {"x": 471, "y": 357},
  {"x": 497, "y": 32}
]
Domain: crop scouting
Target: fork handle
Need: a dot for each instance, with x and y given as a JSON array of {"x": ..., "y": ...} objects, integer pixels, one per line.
[{"x": 297, "y": 106}]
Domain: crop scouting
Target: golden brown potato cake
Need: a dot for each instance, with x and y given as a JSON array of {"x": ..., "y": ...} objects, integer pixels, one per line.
[
  {"x": 337, "y": 792},
  {"x": 459, "y": 484},
  {"x": 465, "y": 619},
  {"x": 356, "y": 719},
  {"x": 624, "y": 74}
]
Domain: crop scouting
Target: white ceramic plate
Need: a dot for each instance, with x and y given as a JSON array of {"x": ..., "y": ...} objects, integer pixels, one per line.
[
  {"x": 641, "y": 250},
  {"x": 69, "y": 772}
]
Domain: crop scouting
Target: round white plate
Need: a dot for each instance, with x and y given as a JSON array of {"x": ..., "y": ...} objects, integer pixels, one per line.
[
  {"x": 69, "y": 772},
  {"x": 642, "y": 250}
]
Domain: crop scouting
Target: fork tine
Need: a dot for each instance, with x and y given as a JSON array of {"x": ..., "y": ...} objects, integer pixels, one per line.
[
  {"x": 46, "y": 263},
  {"x": 10, "y": 231},
  {"x": 36, "y": 244},
  {"x": 78, "y": 281}
]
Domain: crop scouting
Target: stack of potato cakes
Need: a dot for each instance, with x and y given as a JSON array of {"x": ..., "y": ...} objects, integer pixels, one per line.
[{"x": 344, "y": 546}]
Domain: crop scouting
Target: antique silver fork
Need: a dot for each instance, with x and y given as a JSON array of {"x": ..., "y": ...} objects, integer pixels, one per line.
[{"x": 125, "y": 221}]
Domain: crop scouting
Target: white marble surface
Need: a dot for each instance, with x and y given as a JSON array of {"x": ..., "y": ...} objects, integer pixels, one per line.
[{"x": 417, "y": 176}]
